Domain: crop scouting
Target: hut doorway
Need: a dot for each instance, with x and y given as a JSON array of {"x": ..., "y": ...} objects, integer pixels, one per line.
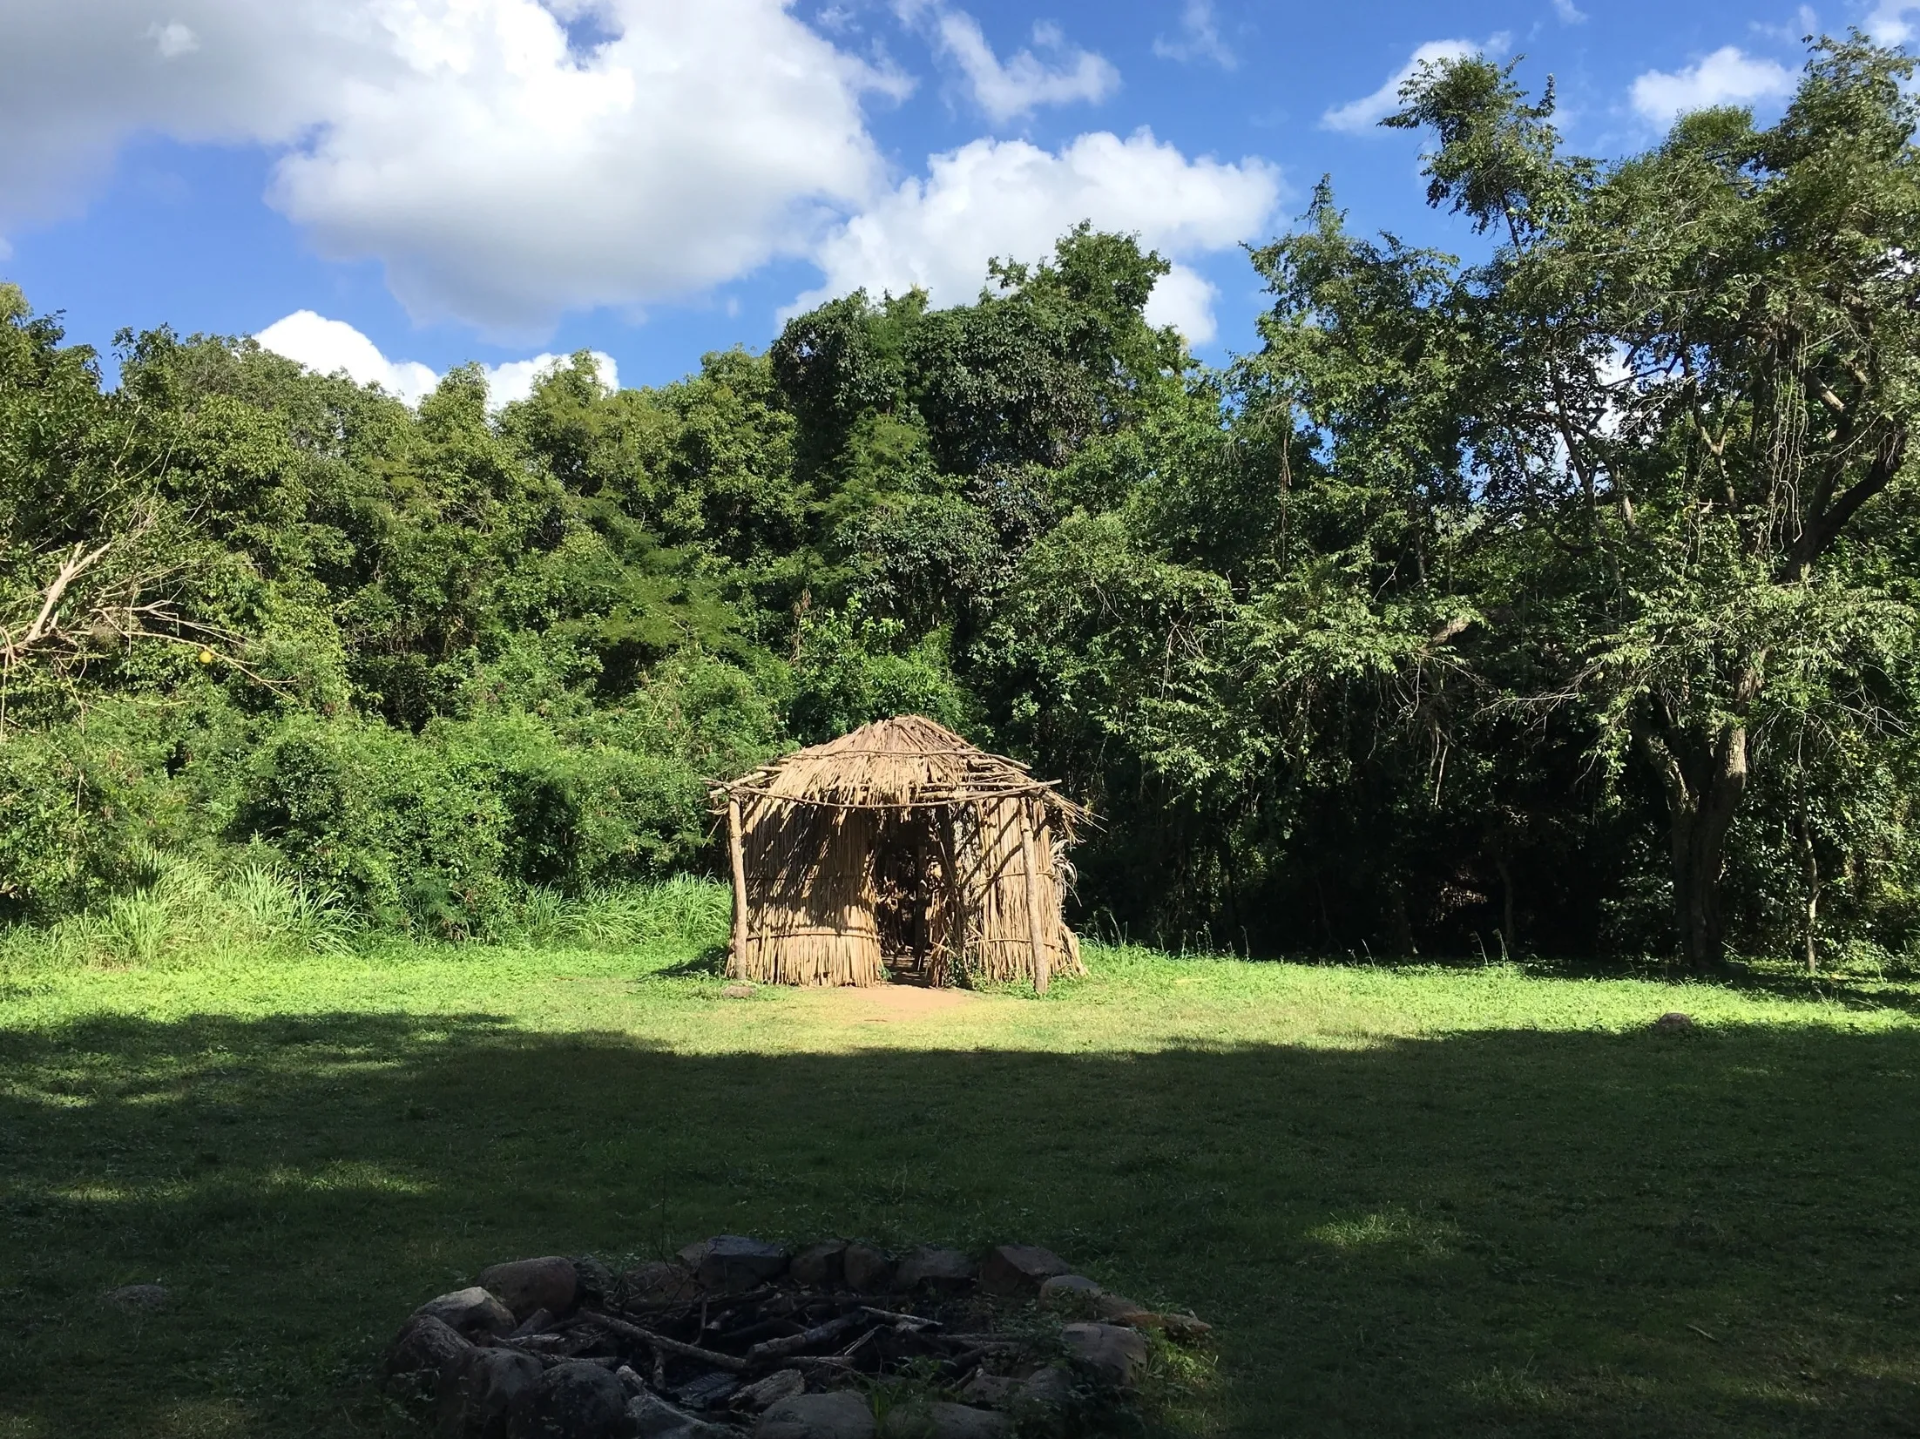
[{"x": 911, "y": 909}]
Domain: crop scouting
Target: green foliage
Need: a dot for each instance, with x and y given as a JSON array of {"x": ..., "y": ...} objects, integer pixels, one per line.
[
  {"x": 850, "y": 669},
  {"x": 1561, "y": 598}
]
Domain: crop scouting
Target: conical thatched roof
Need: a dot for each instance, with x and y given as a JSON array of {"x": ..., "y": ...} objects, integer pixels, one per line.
[{"x": 905, "y": 762}]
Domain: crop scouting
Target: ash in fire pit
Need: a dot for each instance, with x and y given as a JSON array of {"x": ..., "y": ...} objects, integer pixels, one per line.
[{"x": 738, "y": 1337}]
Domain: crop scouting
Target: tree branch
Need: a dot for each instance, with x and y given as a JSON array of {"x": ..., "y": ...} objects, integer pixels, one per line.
[{"x": 1826, "y": 525}]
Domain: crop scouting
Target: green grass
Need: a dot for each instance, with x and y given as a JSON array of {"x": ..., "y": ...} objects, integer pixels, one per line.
[{"x": 1414, "y": 1201}]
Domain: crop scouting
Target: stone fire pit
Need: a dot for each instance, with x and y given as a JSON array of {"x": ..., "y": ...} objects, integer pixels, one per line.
[{"x": 739, "y": 1337}]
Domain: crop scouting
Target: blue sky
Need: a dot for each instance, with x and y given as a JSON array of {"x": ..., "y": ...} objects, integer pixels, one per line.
[{"x": 423, "y": 182}]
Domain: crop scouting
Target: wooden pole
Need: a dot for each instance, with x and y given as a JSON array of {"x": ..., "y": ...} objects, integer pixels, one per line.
[
  {"x": 1035, "y": 929},
  {"x": 737, "y": 968}
]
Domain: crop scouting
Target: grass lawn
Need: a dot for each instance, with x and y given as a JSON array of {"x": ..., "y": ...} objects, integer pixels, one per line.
[{"x": 1413, "y": 1201}]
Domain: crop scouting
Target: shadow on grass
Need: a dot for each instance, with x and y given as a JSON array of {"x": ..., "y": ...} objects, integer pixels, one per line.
[
  {"x": 1509, "y": 1233},
  {"x": 709, "y": 963},
  {"x": 1892, "y": 990}
]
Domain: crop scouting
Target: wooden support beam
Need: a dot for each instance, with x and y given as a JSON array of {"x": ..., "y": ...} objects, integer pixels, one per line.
[
  {"x": 1036, "y": 929},
  {"x": 737, "y": 964}
]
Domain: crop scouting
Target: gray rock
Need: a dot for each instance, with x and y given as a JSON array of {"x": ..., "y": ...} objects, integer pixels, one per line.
[
  {"x": 735, "y": 1263},
  {"x": 525, "y": 1285},
  {"x": 1018, "y": 1270},
  {"x": 1073, "y": 1294},
  {"x": 994, "y": 1390},
  {"x": 709, "y": 1391},
  {"x": 1186, "y": 1328},
  {"x": 1118, "y": 1309},
  {"x": 575, "y": 1400},
  {"x": 868, "y": 1270},
  {"x": 425, "y": 1348},
  {"x": 820, "y": 1266},
  {"x": 651, "y": 1417},
  {"x": 473, "y": 1311},
  {"x": 1110, "y": 1353},
  {"x": 488, "y": 1394},
  {"x": 538, "y": 1322},
  {"x": 658, "y": 1282},
  {"x": 1043, "y": 1401},
  {"x": 765, "y": 1393},
  {"x": 737, "y": 991},
  {"x": 945, "y": 1421},
  {"x": 596, "y": 1280},
  {"x": 839, "y": 1415},
  {"x": 137, "y": 1297},
  {"x": 947, "y": 1269}
]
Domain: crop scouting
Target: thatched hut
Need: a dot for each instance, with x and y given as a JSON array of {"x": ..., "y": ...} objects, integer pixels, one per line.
[{"x": 899, "y": 850}]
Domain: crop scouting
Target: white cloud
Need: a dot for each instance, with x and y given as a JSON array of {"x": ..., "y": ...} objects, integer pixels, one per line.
[
  {"x": 1199, "y": 37},
  {"x": 1012, "y": 199},
  {"x": 504, "y": 170},
  {"x": 514, "y": 379},
  {"x": 1357, "y": 116},
  {"x": 501, "y": 175},
  {"x": 1726, "y": 77},
  {"x": 1805, "y": 22},
  {"x": 1888, "y": 24},
  {"x": 79, "y": 76},
  {"x": 1007, "y": 90},
  {"x": 1183, "y": 298},
  {"x": 1569, "y": 13},
  {"x": 328, "y": 347},
  {"x": 173, "y": 39}
]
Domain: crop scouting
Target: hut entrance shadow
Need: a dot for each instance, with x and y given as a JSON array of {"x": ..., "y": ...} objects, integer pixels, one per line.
[{"x": 912, "y": 888}]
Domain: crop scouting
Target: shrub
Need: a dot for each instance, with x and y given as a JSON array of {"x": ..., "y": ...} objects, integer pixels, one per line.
[{"x": 411, "y": 831}]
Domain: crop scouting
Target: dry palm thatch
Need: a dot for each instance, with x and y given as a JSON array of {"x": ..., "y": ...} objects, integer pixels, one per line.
[{"x": 899, "y": 847}]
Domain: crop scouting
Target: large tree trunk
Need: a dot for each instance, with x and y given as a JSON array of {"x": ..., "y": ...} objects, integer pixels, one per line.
[{"x": 1702, "y": 799}]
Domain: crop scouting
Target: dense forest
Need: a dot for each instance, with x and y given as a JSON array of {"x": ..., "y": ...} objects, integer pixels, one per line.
[{"x": 1560, "y": 600}]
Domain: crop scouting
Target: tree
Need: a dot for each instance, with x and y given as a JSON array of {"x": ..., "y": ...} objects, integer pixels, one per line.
[{"x": 1696, "y": 382}]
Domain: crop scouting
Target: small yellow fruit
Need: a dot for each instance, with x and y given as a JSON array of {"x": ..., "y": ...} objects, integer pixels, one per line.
[{"x": 206, "y": 657}]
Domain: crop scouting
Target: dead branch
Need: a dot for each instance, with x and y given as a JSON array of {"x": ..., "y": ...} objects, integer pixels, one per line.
[
  {"x": 44, "y": 623},
  {"x": 661, "y": 1344}
]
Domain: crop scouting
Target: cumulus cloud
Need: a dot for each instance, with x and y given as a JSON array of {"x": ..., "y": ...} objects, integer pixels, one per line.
[
  {"x": 514, "y": 379},
  {"x": 1889, "y": 25},
  {"x": 173, "y": 39},
  {"x": 501, "y": 173},
  {"x": 329, "y": 347},
  {"x": 1358, "y": 116},
  {"x": 1569, "y": 13},
  {"x": 1013, "y": 199},
  {"x": 1008, "y": 89},
  {"x": 1804, "y": 23},
  {"x": 1726, "y": 77},
  {"x": 507, "y": 161},
  {"x": 1199, "y": 37},
  {"x": 78, "y": 77}
]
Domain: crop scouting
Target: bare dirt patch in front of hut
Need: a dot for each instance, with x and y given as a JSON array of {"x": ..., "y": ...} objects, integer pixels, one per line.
[{"x": 887, "y": 1003}]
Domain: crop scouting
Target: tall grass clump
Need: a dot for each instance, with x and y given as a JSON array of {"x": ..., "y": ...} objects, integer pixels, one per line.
[
  {"x": 181, "y": 909},
  {"x": 685, "y": 909}
]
